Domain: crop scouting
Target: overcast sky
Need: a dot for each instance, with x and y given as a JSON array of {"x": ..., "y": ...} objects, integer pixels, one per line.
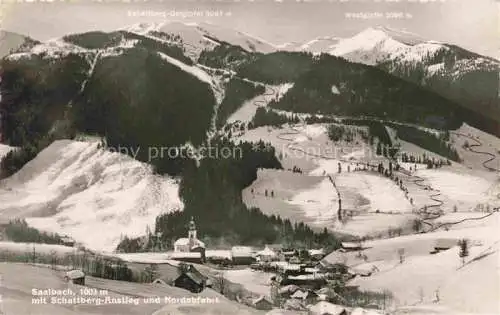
[{"x": 472, "y": 24}]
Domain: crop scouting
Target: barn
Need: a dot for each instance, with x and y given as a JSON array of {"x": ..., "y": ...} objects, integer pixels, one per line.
[
  {"x": 242, "y": 255},
  {"x": 262, "y": 303},
  {"x": 190, "y": 279},
  {"x": 75, "y": 276}
]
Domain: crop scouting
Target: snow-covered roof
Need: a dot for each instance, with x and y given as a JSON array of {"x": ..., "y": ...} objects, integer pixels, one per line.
[
  {"x": 315, "y": 276},
  {"x": 184, "y": 241},
  {"x": 266, "y": 252},
  {"x": 75, "y": 274},
  {"x": 326, "y": 308},
  {"x": 314, "y": 252},
  {"x": 218, "y": 253},
  {"x": 175, "y": 255},
  {"x": 241, "y": 251},
  {"x": 350, "y": 245}
]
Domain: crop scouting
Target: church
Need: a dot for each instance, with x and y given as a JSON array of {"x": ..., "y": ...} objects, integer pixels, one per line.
[{"x": 190, "y": 243}]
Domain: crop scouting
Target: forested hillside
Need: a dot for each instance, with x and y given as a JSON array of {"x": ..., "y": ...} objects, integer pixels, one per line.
[
  {"x": 138, "y": 100},
  {"x": 211, "y": 193}
]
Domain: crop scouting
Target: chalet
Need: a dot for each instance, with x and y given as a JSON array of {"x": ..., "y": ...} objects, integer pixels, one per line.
[
  {"x": 190, "y": 279},
  {"x": 75, "y": 276},
  {"x": 67, "y": 241},
  {"x": 242, "y": 255},
  {"x": 192, "y": 257},
  {"x": 325, "y": 308},
  {"x": 351, "y": 246},
  {"x": 329, "y": 295},
  {"x": 222, "y": 257},
  {"x": 267, "y": 254},
  {"x": 288, "y": 254},
  {"x": 308, "y": 281},
  {"x": 316, "y": 254},
  {"x": 262, "y": 303},
  {"x": 336, "y": 264},
  {"x": 286, "y": 268},
  {"x": 444, "y": 244}
]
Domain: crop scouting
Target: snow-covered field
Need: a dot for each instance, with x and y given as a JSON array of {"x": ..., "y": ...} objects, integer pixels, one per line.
[
  {"x": 299, "y": 197},
  {"x": 91, "y": 194},
  {"x": 489, "y": 143},
  {"x": 254, "y": 281},
  {"x": 382, "y": 193},
  {"x": 472, "y": 288},
  {"x": 18, "y": 281},
  {"x": 27, "y": 248},
  {"x": 463, "y": 188}
]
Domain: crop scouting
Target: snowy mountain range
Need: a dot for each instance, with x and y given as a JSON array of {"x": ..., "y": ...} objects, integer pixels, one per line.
[
  {"x": 460, "y": 75},
  {"x": 196, "y": 37}
]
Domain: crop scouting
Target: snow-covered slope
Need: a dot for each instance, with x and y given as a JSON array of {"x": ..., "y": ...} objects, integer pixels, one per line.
[
  {"x": 318, "y": 45},
  {"x": 91, "y": 194},
  {"x": 375, "y": 45},
  {"x": 196, "y": 37}
]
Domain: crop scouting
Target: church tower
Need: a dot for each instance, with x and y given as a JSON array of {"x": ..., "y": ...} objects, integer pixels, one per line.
[{"x": 192, "y": 233}]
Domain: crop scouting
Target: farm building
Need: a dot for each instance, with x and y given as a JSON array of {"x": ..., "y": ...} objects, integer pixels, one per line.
[
  {"x": 75, "y": 276},
  {"x": 316, "y": 254},
  {"x": 309, "y": 281},
  {"x": 262, "y": 303},
  {"x": 67, "y": 241},
  {"x": 288, "y": 254},
  {"x": 444, "y": 244},
  {"x": 267, "y": 254},
  {"x": 351, "y": 246},
  {"x": 190, "y": 279},
  {"x": 215, "y": 256},
  {"x": 242, "y": 255}
]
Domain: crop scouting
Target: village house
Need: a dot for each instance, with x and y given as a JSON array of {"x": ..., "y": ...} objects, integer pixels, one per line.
[
  {"x": 316, "y": 254},
  {"x": 262, "y": 303},
  {"x": 67, "y": 241},
  {"x": 190, "y": 279},
  {"x": 351, "y": 246},
  {"x": 75, "y": 276},
  {"x": 218, "y": 256},
  {"x": 266, "y": 255},
  {"x": 242, "y": 255},
  {"x": 306, "y": 281}
]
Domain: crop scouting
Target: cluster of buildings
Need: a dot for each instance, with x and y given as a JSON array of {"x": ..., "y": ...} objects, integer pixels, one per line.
[{"x": 192, "y": 250}]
